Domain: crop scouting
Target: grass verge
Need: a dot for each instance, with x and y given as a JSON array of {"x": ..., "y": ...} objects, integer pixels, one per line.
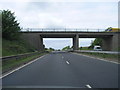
[
  {"x": 16, "y": 47},
  {"x": 9, "y": 65},
  {"x": 110, "y": 57}
]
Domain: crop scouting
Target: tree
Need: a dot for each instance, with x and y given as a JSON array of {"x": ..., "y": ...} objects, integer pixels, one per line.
[
  {"x": 51, "y": 49},
  {"x": 66, "y": 48},
  {"x": 97, "y": 41},
  {"x": 0, "y": 23},
  {"x": 10, "y": 26}
]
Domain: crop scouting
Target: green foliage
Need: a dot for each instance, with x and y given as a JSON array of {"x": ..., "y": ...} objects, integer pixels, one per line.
[
  {"x": 0, "y": 21},
  {"x": 119, "y": 49},
  {"x": 51, "y": 49},
  {"x": 46, "y": 49},
  {"x": 85, "y": 48},
  {"x": 66, "y": 48},
  {"x": 10, "y": 26},
  {"x": 97, "y": 41}
]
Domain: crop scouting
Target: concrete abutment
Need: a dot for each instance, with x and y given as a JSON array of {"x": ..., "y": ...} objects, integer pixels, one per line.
[
  {"x": 111, "y": 43},
  {"x": 34, "y": 40}
]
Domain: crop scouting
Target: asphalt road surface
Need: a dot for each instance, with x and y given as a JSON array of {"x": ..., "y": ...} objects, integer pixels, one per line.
[{"x": 63, "y": 69}]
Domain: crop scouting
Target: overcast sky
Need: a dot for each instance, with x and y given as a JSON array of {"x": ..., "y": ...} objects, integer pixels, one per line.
[{"x": 69, "y": 14}]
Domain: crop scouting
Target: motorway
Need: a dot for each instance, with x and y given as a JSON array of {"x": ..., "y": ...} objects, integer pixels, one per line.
[{"x": 63, "y": 69}]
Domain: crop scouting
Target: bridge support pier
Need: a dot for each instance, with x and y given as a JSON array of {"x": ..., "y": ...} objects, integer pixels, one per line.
[{"x": 76, "y": 42}]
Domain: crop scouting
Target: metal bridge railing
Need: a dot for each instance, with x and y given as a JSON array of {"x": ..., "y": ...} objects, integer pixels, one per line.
[{"x": 63, "y": 29}]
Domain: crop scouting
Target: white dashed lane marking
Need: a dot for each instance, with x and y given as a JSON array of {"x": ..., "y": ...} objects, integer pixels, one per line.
[
  {"x": 88, "y": 86},
  {"x": 67, "y": 62}
]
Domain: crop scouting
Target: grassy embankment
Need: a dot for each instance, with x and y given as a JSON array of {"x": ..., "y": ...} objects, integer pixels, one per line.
[
  {"x": 110, "y": 57},
  {"x": 14, "y": 48}
]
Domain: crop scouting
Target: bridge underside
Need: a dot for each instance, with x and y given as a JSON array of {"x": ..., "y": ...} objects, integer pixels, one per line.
[{"x": 36, "y": 38}]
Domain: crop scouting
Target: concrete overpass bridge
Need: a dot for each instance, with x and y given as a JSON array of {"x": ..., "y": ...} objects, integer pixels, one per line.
[{"x": 35, "y": 37}]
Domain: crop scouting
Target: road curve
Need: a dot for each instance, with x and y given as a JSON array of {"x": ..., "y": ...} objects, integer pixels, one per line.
[{"x": 62, "y": 69}]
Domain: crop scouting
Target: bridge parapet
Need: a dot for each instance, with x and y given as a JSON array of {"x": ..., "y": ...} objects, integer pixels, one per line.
[{"x": 63, "y": 30}]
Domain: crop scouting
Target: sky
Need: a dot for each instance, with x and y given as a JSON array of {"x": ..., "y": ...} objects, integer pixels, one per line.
[{"x": 93, "y": 14}]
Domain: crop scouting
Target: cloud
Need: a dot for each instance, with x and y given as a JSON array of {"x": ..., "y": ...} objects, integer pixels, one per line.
[
  {"x": 49, "y": 20},
  {"x": 77, "y": 15},
  {"x": 64, "y": 14},
  {"x": 59, "y": 1}
]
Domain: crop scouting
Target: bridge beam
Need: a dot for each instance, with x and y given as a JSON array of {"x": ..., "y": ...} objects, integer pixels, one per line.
[{"x": 76, "y": 42}]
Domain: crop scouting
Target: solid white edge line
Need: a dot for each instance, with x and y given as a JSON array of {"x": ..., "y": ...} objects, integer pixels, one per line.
[
  {"x": 67, "y": 62},
  {"x": 97, "y": 58},
  {"x": 88, "y": 86},
  {"x": 20, "y": 67}
]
